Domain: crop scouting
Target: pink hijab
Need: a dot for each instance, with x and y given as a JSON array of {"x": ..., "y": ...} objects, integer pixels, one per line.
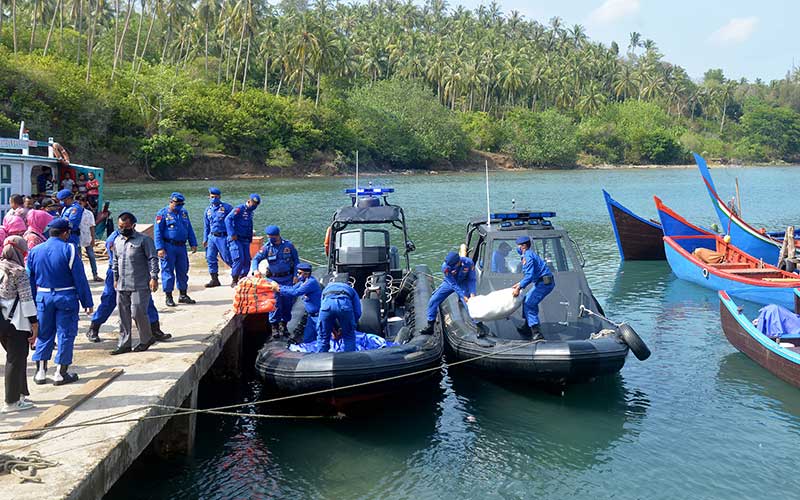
[
  {"x": 14, "y": 225},
  {"x": 38, "y": 220}
]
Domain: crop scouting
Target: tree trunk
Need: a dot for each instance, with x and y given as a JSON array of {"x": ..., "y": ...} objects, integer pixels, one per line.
[
  {"x": 724, "y": 112},
  {"x": 280, "y": 82},
  {"x": 144, "y": 47},
  {"x": 316, "y": 100},
  {"x": 90, "y": 44},
  {"x": 33, "y": 28},
  {"x": 266, "y": 73},
  {"x": 238, "y": 56},
  {"x": 60, "y": 27},
  {"x": 1, "y": 16},
  {"x": 206, "y": 48},
  {"x": 166, "y": 41},
  {"x": 14, "y": 23},
  {"x": 120, "y": 50},
  {"x": 116, "y": 35},
  {"x": 221, "y": 49},
  {"x": 52, "y": 26},
  {"x": 138, "y": 37},
  {"x": 302, "y": 76},
  {"x": 80, "y": 32},
  {"x": 246, "y": 62}
]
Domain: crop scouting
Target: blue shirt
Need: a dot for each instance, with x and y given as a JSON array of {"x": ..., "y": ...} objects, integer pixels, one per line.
[
  {"x": 335, "y": 290},
  {"x": 214, "y": 220},
  {"x": 174, "y": 226},
  {"x": 110, "y": 245},
  {"x": 282, "y": 258},
  {"x": 74, "y": 214},
  {"x": 499, "y": 263},
  {"x": 240, "y": 222},
  {"x": 57, "y": 264},
  {"x": 451, "y": 278},
  {"x": 534, "y": 268},
  {"x": 309, "y": 289},
  {"x": 467, "y": 278}
]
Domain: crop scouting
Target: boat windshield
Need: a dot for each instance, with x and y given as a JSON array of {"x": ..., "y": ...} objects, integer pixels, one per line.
[{"x": 505, "y": 259}]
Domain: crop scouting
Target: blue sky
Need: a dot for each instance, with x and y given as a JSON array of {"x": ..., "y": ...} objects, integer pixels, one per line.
[{"x": 751, "y": 39}]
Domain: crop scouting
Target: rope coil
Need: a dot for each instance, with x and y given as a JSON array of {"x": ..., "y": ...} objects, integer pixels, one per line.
[{"x": 25, "y": 467}]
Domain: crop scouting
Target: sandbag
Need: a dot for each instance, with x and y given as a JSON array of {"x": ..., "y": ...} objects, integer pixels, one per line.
[
  {"x": 709, "y": 256},
  {"x": 253, "y": 296},
  {"x": 499, "y": 304}
]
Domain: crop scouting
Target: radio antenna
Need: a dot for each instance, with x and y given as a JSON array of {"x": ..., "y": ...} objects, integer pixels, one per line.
[{"x": 488, "y": 206}]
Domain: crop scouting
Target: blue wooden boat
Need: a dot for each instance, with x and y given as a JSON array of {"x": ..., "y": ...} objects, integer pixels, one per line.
[
  {"x": 687, "y": 249},
  {"x": 781, "y": 358},
  {"x": 637, "y": 238},
  {"x": 758, "y": 243}
]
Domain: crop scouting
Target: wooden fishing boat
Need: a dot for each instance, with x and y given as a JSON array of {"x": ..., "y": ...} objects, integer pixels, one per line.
[
  {"x": 759, "y": 243},
  {"x": 637, "y": 238},
  {"x": 706, "y": 259},
  {"x": 781, "y": 357}
]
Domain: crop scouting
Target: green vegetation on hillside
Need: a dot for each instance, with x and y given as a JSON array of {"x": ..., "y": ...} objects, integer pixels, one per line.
[{"x": 157, "y": 81}]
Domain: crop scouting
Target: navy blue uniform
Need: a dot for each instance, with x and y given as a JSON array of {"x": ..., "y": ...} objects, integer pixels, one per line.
[
  {"x": 283, "y": 260},
  {"x": 108, "y": 299},
  {"x": 341, "y": 304},
  {"x": 535, "y": 270},
  {"x": 58, "y": 282},
  {"x": 311, "y": 291},
  {"x": 215, "y": 234},
  {"x": 240, "y": 223},
  {"x": 448, "y": 286},
  {"x": 171, "y": 232},
  {"x": 74, "y": 214}
]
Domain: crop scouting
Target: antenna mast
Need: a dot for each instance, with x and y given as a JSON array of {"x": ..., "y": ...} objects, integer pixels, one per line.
[{"x": 488, "y": 206}]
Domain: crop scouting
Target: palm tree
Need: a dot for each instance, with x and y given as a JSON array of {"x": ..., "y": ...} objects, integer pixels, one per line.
[
  {"x": 634, "y": 43},
  {"x": 305, "y": 45}
]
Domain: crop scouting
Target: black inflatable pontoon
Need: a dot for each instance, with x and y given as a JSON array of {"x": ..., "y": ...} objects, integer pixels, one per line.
[
  {"x": 394, "y": 301},
  {"x": 577, "y": 346}
]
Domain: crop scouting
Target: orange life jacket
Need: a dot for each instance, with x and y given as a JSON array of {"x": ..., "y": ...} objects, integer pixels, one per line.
[{"x": 253, "y": 295}]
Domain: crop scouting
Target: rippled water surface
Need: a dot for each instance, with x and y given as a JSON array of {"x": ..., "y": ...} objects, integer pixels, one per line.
[{"x": 696, "y": 420}]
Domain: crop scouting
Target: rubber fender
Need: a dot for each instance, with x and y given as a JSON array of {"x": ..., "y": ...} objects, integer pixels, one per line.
[{"x": 634, "y": 341}]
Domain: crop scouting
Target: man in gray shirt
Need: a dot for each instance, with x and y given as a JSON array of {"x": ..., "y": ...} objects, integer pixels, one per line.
[{"x": 136, "y": 270}]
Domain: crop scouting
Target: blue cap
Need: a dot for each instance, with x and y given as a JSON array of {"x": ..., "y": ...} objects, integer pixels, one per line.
[
  {"x": 304, "y": 266},
  {"x": 176, "y": 196},
  {"x": 255, "y": 197},
  {"x": 64, "y": 194},
  {"x": 466, "y": 261},
  {"x": 272, "y": 230},
  {"x": 60, "y": 224},
  {"x": 523, "y": 239},
  {"x": 452, "y": 259},
  {"x": 214, "y": 190}
]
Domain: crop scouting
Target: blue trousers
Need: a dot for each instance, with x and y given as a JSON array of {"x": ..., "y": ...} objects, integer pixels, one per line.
[
  {"x": 283, "y": 303},
  {"x": 441, "y": 293},
  {"x": 530, "y": 308},
  {"x": 217, "y": 246},
  {"x": 108, "y": 302},
  {"x": 175, "y": 266},
  {"x": 57, "y": 313},
  {"x": 310, "y": 331},
  {"x": 336, "y": 309},
  {"x": 240, "y": 258}
]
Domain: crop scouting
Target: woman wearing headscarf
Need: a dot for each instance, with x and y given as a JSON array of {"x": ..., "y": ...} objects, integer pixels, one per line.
[
  {"x": 37, "y": 222},
  {"x": 17, "y": 305}
]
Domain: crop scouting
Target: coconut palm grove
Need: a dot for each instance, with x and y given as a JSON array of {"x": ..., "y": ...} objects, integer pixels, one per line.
[{"x": 156, "y": 84}]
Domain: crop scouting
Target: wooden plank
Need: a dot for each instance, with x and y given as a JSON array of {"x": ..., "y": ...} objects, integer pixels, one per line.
[
  {"x": 786, "y": 280},
  {"x": 55, "y": 413}
]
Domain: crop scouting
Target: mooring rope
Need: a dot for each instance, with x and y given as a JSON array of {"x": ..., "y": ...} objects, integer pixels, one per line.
[{"x": 25, "y": 467}]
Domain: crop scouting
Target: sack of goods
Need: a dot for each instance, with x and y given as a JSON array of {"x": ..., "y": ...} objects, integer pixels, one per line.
[
  {"x": 253, "y": 296},
  {"x": 499, "y": 304}
]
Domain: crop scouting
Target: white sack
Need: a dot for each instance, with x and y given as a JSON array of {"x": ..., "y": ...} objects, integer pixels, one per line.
[{"x": 499, "y": 304}]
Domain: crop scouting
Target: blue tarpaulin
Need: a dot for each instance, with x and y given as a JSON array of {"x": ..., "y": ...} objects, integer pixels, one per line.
[
  {"x": 364, "y": 342},
  {"x": 776, "y": 321}
]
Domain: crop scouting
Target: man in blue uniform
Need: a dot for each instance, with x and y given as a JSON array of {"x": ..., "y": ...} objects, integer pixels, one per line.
[
  {"x": 282, "y": 258},
  {"x": 72, "y": 211},
  {"x": 499, "y": 262},
  {"x": 535, "y": 271},
  {"x": 58, "y": 282},
  {"x": 340, "y": 304},
  {"x": 451, "y": 267},
  {"x": 108, "y": 302},
  {"x": 215, "y": 235},
  {"x": 172, "y": 230},
  {"x": 308, "y": 287},
  {"x": 239, "y": 226}
]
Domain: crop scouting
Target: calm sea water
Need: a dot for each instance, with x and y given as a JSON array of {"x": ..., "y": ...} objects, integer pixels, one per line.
[{"x": 696, "y": 420}]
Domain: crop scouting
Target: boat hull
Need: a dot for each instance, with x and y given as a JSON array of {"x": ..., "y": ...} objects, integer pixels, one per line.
[
  {"x": 637, "y": 238},
  {"x": 782, "y": 362}
]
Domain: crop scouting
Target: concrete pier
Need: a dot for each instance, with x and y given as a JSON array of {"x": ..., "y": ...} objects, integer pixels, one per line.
[{"x": 91, "y": 459}]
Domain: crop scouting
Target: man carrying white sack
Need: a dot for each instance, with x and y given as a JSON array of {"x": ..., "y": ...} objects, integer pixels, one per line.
[{"x": 536, "y": 271}]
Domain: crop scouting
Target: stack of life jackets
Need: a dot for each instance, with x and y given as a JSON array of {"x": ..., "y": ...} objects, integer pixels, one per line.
[{"x": 253, "y": 296}]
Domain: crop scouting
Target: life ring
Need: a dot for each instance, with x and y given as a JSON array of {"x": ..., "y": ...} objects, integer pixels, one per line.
[
  {"x": 60, "y": 153},
  {"x": 705, "y": 273},
  {"x": 634, "y": 342},
  {"x": 328, "y": 241}
]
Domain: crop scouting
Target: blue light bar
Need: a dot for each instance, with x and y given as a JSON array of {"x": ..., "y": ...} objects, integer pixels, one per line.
[
  {"x": 370, "y": 191},
  {"x": 547, "y": 223},
  {"x": 522, "y": 215},
  {"x": 533, "y": 222},
  {"x": 505, "y": 224},
  {"x": 519, "y": 223}
]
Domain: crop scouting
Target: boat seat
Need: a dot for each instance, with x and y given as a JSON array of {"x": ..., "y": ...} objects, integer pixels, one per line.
[
  {"x": 370, "y": 321},
  {"x": 730, "y": 265},
  {"x": 754, "y": 271}
]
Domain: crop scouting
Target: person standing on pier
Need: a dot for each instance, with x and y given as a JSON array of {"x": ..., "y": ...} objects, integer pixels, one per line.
[
  {"x": 308, "y": 287},
  {"x": 58, "y": 283},
  {"x": 239, "y": 227},
  {"x": 172, "y": 230},
  {"x": 135, "y": 265},
  {"x": 108, "y": 302},
  {"x": 340, "y": 303},
  {"x": 215, "y": 235},
  {"x": 72, "y": 211},
  {"x": 282, "y": 258},
  {"x": 537, "y": 273}
]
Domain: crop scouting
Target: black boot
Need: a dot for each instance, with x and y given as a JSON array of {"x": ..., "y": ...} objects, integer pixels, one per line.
[
  {"x": 214, "y": 281},
  {"x": 482, "y": 329},
  {"x": 170, "y": 301},
  {"x": 428, "y": 330},
  {"x": 536, "y": 333},
  {"x": 62, "y": 377},
  {"x": 94, "y": 332},
  {"x": 185, "y": 299},
  {"x": 524, "y": 331},
  {"x": 155, "y": 329},
  {"x": 283, "y": 329},
  {"x": 234, "y": 281}
]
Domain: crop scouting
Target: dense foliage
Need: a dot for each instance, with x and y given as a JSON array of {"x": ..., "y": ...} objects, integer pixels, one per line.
[{"x": 407, "y": 84}]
